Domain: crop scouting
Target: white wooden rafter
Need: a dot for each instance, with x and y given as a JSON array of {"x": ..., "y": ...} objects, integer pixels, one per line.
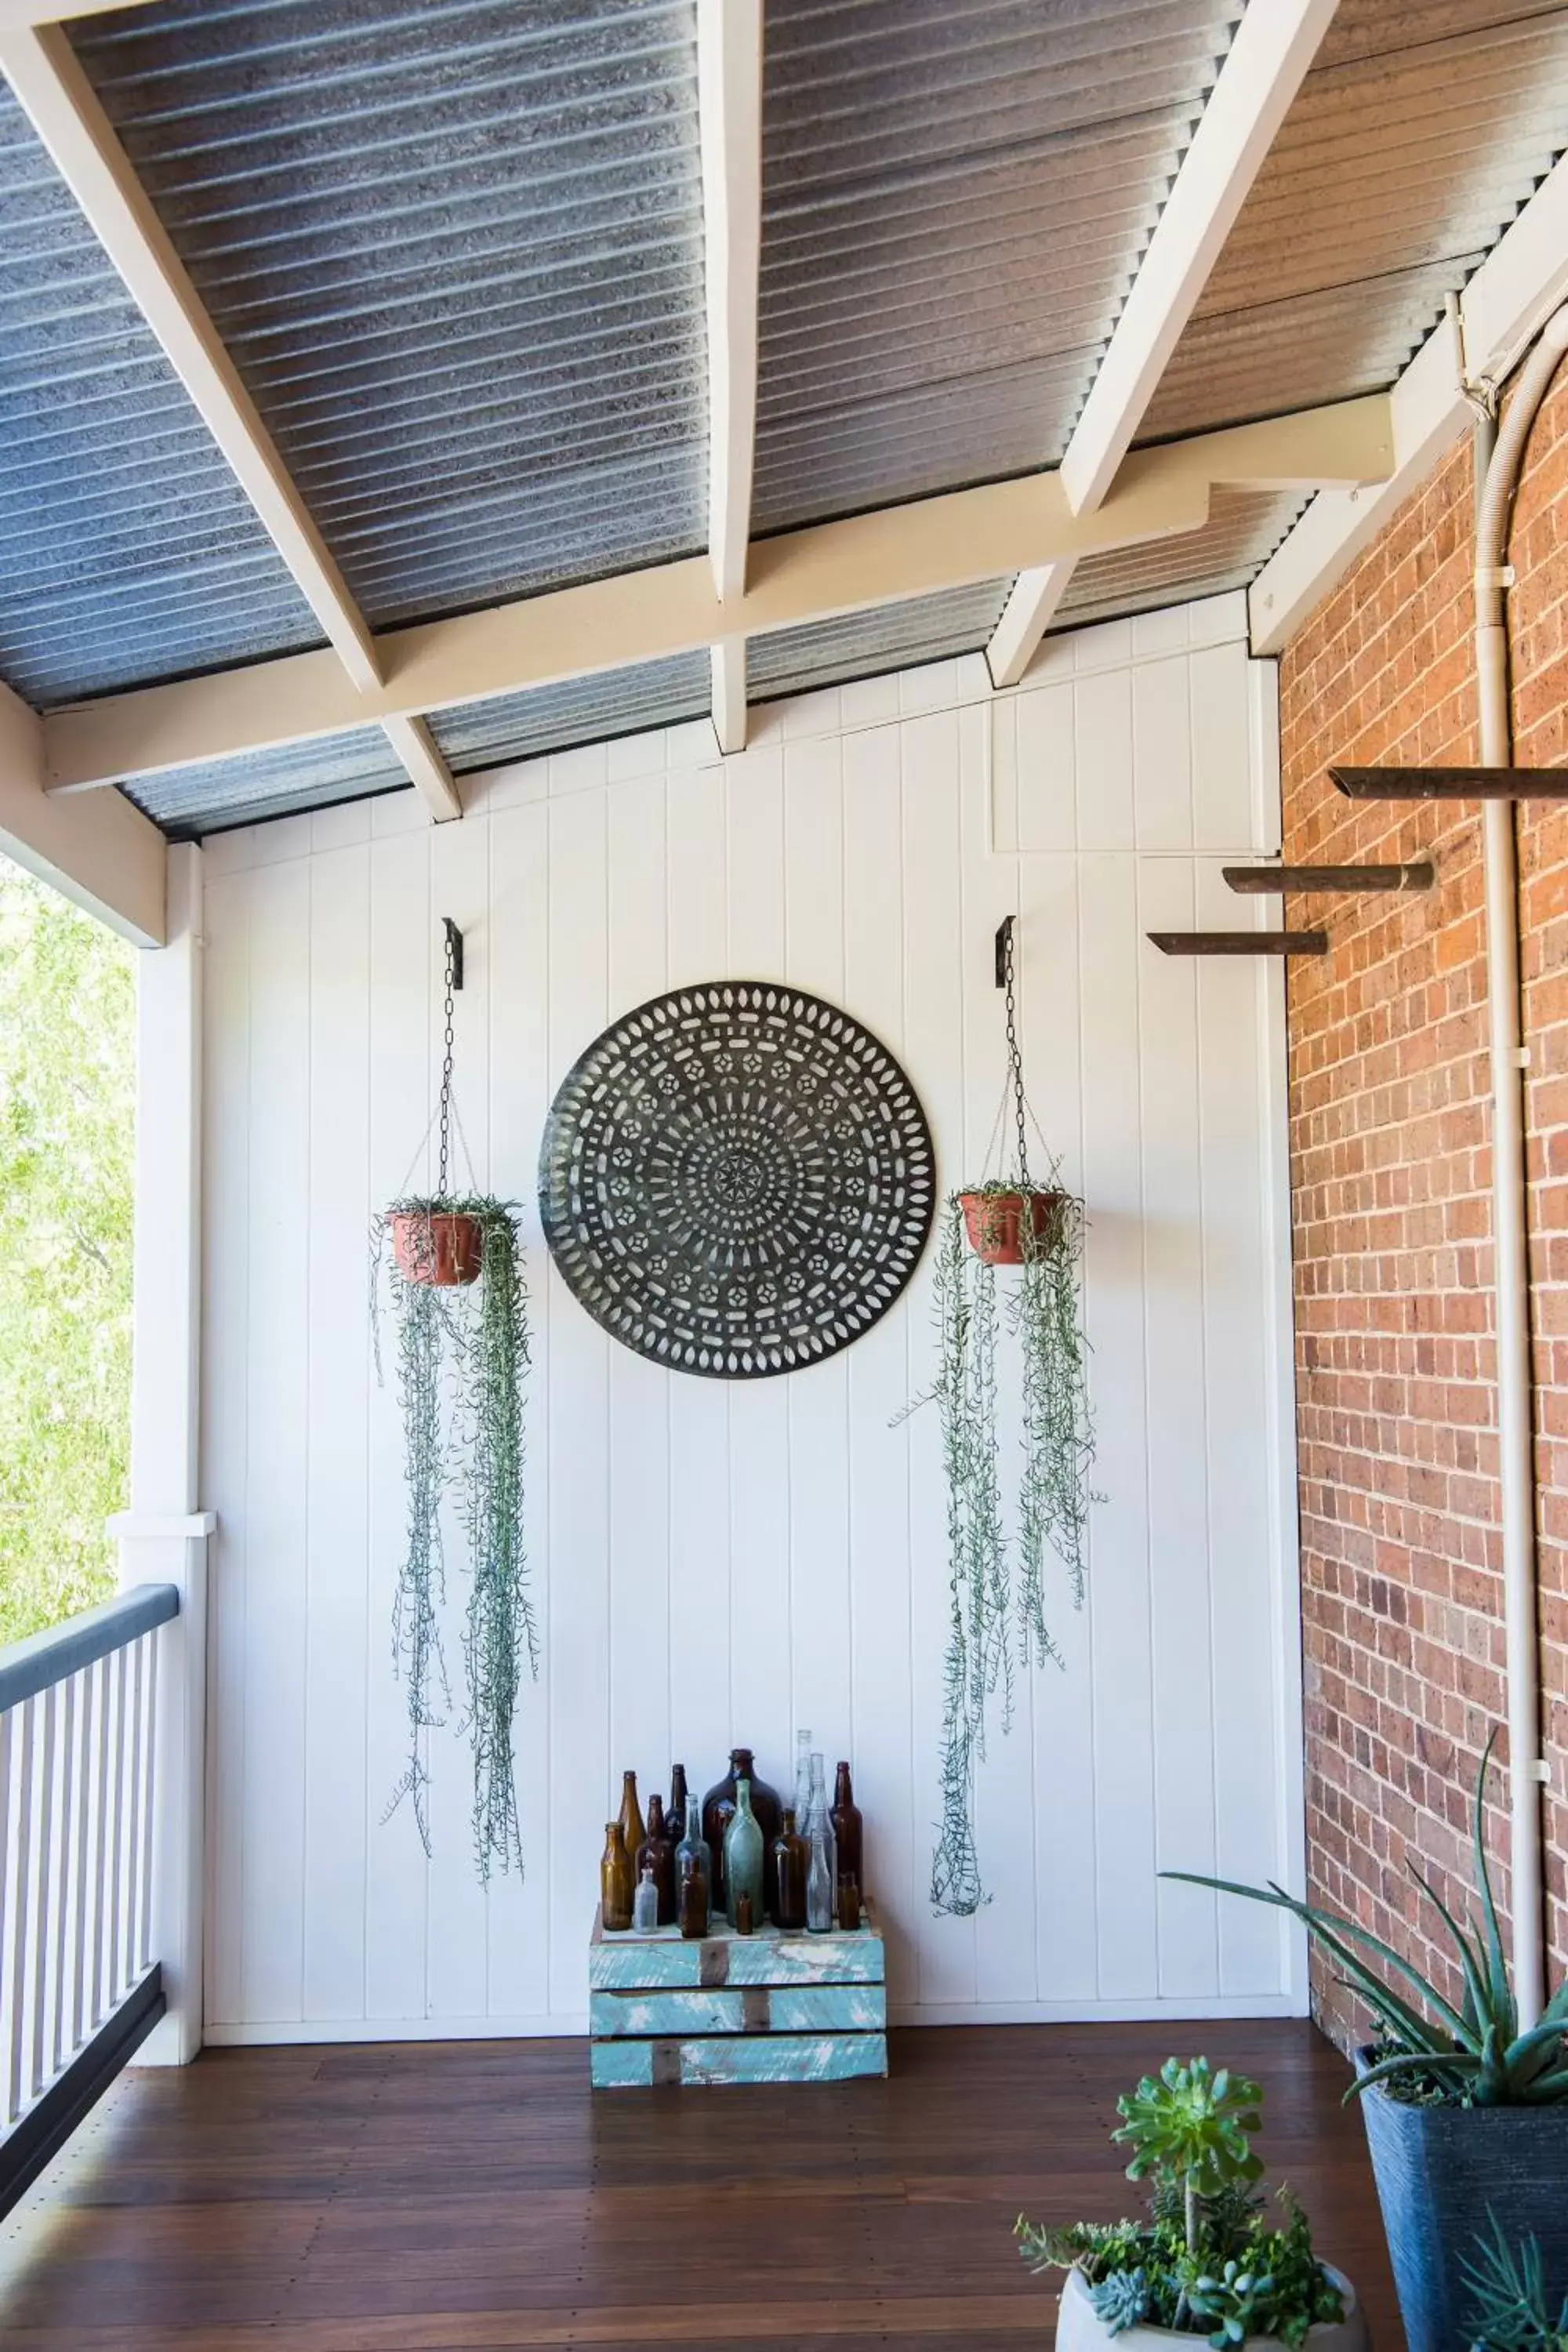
[
  {"x": 884, "y": 557},
  {"x": 1274, "y": 45},
  {"x": 101, "y": 853},
  {"x": 64, "y": 110},
  {"x": 1521, "y": 282},
  {"x": 730, "y": 116}
]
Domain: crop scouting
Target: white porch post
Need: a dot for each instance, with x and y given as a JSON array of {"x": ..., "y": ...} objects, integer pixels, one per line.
[{"x": 163, "y": 1535}]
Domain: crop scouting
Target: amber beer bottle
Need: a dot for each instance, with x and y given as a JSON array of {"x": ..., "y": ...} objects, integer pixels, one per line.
[
  {"x": 849, "y": 1831},
  {"x": 616, "y": 1884}
]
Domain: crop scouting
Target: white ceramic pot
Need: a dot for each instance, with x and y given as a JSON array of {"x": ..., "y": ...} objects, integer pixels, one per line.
[{"x": 1079, "y": 2329}]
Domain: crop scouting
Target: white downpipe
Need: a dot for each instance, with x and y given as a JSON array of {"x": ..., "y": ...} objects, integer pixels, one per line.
[{"x": 1499, "y": 455}]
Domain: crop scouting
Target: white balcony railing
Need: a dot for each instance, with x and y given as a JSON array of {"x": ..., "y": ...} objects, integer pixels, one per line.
[{"x": 79, "y": 1983}]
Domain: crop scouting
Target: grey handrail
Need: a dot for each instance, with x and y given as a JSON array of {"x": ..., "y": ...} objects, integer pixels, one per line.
[{"x": 30, "y": 1666}]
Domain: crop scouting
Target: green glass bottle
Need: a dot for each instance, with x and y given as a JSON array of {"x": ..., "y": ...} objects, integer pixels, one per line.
[{"x": 743, "y": 1858}]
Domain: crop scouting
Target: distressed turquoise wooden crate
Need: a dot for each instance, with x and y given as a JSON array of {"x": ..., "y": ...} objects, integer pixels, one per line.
[
  {"x": 768, "y": 2008},
  {"x": 737, "y": 2058}
]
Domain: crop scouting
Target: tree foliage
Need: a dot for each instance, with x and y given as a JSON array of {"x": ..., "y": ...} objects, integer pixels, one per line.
[{"x": 68, "y": 996}]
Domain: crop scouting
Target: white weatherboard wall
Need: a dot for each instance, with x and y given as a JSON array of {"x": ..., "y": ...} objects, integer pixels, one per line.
[{"x": 717, "y": 1561}]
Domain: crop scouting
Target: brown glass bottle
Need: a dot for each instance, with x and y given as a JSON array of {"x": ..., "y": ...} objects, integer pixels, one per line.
[
  {"x": 792, "y": 1859},
  {"x": 616, "y": 1883},
  {"x": 719, "y": 1805},
  {"x": 657, "y": 1852},
  {"x": 675, "y": 1812},
  {"x": 849, "y": 1831},
  {"x": 633, "y": 1827},
  {"x": 694, "y": 1906}
]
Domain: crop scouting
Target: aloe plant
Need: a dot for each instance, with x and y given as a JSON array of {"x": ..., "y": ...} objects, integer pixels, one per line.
[
  {"x": 1508, "y": 2307},
  {"x": 1475, "y": 2054}
]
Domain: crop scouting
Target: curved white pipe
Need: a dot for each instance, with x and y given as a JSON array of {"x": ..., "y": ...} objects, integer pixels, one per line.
[{"x": 1499, "y": 455}]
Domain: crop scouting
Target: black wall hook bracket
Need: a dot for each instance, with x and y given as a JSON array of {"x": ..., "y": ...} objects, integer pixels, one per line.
[
  {"x": 455, "y": 943},
  {"x": 1003, "y": 933}
]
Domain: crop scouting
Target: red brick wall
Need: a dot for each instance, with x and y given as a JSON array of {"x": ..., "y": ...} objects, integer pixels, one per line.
[{"x": 1402, "y": 1594}]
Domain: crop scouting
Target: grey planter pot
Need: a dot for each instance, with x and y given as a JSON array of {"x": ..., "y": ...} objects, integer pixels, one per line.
[{"x": 1441, "y": 2172}]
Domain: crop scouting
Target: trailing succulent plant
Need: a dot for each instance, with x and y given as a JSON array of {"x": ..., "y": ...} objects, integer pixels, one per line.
[
  {"x": 1472, "y": 2056},
  {"x": 462, "y": 1356},
  {"x": 996, "y": 1576},
  {"x": 1508, "y": 2307},
  {"x": 1205, "y": 2260}
]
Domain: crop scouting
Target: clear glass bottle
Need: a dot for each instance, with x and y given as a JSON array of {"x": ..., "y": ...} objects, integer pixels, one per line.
[
  {"x": 695, "y": 1854},
  {"x": 801, "y": 1780},
  {"x": 743, "y": 1858},
  {"x": 819, "y": 1882},
  {"x": 645, "y": 1906},
  {"x": 819, "y": 1819}
]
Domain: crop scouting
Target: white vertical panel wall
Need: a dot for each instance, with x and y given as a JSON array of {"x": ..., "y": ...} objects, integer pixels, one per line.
[{"x": 716, "y": 1563}]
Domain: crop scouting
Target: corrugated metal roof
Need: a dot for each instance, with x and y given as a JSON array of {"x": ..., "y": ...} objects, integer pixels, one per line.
[
  {"x": 579, "y": 711},
  {"x": 454, "y": 247},
  {"x": 887, "y": 637},
  {"x": 215, "y": 794},
  {"x": 1244, "y": 528},
  {"x": 955, "y": 202},
  {"x": 1411, "y": 145},
  {"x": 126, "y": 549}
]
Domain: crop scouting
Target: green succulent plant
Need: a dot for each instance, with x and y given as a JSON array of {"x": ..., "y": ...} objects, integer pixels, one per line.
[
  {"x": 1121, "y": 2301},
  {"x": 1473, "y": 2054},
  {"x": 1193, "y": 2126},
  {"x": 1234, "y": 2302},
  {"x": 1508, "y": 2310}
]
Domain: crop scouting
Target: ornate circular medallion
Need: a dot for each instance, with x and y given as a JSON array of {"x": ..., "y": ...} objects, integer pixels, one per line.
[{"x": 736, "y": 1179}]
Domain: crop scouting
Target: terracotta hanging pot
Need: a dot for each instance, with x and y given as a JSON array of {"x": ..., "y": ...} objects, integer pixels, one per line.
[
  {"x": 997, "y": 1221},
  {"x": 440, "y": 1246}
]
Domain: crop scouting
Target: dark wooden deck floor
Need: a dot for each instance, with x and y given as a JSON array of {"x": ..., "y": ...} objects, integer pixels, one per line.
[{"x": 382, "y": 2198}]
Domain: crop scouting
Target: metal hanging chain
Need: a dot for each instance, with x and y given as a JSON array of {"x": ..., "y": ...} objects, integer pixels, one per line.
[
  {"x": 445, "y": 1111},
  {"x": 1014, "y": 1058}
]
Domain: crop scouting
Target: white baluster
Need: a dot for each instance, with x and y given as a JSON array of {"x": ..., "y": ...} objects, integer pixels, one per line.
[
  {"x": 21, "y": 1924},
  {"x": 65, "y": 1941},
  {"x": 98, "y": 1874},
  {"x": 45, "y": 1872},
  {"x": 152, "y": 1645}
]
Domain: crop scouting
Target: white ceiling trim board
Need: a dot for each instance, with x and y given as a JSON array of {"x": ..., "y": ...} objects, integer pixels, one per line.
[
  {"x": 885, "y": 557},
  {"x": 729, "y": 114}
]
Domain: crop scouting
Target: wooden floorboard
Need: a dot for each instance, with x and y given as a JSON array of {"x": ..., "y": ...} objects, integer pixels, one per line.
[{"x": 415, "y": 2197}]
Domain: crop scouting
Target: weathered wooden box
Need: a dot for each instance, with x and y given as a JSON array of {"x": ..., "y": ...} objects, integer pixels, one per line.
[{"x": 768, "y": 2008}]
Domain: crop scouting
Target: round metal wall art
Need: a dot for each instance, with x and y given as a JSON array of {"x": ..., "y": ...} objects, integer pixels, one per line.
[{"x": 737, "y": 1179}]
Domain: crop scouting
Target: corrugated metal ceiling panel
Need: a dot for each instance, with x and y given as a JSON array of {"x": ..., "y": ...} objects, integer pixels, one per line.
[
  {"x": 887, "y": 637},
  {"x": 126, "y": 549},
  {"x": 579, "y": 711},
  {"x": 454, "y": 247},
  {"x": 215, "y": 795},
  {"x": 1411, "y": 146},
  {"x": 955, "y": 202},
  {"x": 1244, "y": 528}
]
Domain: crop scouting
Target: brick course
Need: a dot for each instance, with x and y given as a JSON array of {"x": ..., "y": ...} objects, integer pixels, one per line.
[{"x": 1390, "y": 1121}]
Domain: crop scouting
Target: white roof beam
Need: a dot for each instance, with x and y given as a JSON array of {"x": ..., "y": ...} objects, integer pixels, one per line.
[
  {"x": 21, "y": 15},
  {"x": 1273, "y": 48},
  {"x": 730, "y": 111},
  {"x": 43, "y": 71},
  {"x": 411, "y": 739},
  {"x": 729, "y": 662},
  {"x": 103, "y": 853},
  {"x": 1274, "y": 44},
  {"x": 884, "y": 557},
  {"x": 1521, "y": 282}
]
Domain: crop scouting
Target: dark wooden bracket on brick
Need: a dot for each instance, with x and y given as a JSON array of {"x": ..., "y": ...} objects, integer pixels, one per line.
[
  {"x": 1241, "y": 943},
  {"x": 1263, "y": 881},
  {"x": 1451, "y": 783}
]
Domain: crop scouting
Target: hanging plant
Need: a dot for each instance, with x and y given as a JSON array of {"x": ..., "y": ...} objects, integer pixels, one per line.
[
  {"x": 996, "y": 1581},
  {"x": 453, "y": 1271}
]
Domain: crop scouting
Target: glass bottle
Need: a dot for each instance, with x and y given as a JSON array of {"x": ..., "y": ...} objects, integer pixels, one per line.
[
  {"x": 801, "y": 1779},
  {"x": 848, "y": 1832},
  {"x": 615, "y": 1881},
  {"x": 632, "y": 1828},
  {"x": 675, "y": 1812},
  {"x": 792, "y": 1860},
  {"x": 743, "y": 1857},
  {"x": 657, "y": 1853},
  {"x": 644, "y": 1903},
  {"x": 695, "y": 1916},
  {"x": 719, "y": 1805},
  {"x": 694, "y": 1852},
  {"x": 817, "y": 1817},
  {"x": 819, "y": 1880}
]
